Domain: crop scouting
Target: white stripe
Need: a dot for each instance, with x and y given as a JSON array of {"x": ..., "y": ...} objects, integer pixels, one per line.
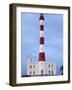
[
  {"x": 41, "y": 22},
  {"x": 41, "y": 33},
  {"x": 41, "y": 49}
]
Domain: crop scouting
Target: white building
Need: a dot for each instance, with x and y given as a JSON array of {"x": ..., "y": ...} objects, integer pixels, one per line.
[{"x": 41, "y": 67}]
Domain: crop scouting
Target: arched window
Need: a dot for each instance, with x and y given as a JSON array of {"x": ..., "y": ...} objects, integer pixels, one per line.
[
  {"x": 30, "y": 66},
  {"x": 52, "y": 72},
  {"x": 52, "y": 65},
  {"x": 41, "y": 72},
  {"x": 30, "y": 73},
  {"x": 49, "y": 65},
  {"x": 33, "y": 72},
  {"x": 49, "y": 72},
  {"x": 33, "y": 66}
]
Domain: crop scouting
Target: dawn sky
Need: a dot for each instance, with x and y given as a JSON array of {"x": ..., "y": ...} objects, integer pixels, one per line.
[{"x": 53, "y": 36}]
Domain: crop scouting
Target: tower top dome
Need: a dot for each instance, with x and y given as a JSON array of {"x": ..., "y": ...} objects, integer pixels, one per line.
[{"x": 41, "y": 16}]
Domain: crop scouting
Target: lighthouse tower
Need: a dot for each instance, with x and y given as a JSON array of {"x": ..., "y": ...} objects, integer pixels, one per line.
[
  {"x": 41, "y": 67},
  {"x": 41, "y": 49}
]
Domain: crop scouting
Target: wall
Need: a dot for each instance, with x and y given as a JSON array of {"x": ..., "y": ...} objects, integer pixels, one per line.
[{"x": 4, "y": 45}]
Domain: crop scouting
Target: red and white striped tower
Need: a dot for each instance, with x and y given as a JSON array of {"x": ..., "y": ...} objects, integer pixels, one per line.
[{"x": 41, "y": 49}]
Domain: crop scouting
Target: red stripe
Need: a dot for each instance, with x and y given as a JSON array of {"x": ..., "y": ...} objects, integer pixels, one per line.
[
  {"x": 41, "y": 27},
  {"x": 42, "y": 56},
  {"x": 42, "y": 17},
  {"x": 41, "y": 40}
]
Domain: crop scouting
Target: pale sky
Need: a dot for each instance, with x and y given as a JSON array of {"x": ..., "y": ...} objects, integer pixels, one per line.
[{"x": 30, "y": 35}]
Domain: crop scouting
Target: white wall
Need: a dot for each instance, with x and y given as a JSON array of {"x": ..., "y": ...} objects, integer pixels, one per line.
[
  {"x": 41, "y": 66},
  {"x": 4, "y": 45}
]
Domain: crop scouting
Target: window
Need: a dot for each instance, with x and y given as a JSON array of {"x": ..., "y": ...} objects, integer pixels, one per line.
[
  {"x": 52, "y": 72},
  {"x": 41, "y": 49},
  {"x": 41, "y": 72},
  {"x": 33, "y": 66},
  {"x": 49, "y": 65},
  {"x": 52, "y": 65},
  {"x": 30, "y": 73},
  {"x": 33, "y": 72},
  {"x": 49, "y": 72},
  {"x": 30, "y": 66}
]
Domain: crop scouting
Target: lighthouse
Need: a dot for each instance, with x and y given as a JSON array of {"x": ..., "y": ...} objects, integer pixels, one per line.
[
  {"x": 41, "y": 48},
  {"x": 41, "y": 67},
  {"x": 41, "y": 61}
]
